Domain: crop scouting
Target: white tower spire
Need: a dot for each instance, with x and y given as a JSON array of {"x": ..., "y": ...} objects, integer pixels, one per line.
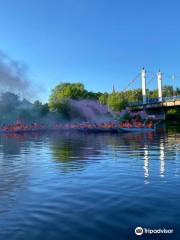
[
  {"x": 143, "y": 79},
  {"x": 159, "y": 79}
]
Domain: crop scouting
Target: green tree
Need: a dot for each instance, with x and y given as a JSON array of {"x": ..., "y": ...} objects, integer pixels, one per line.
[
  {"x": 177, "y": 91},
  {"x": 90, "y": 95},
  {"x": 167, "y": 91},
  {"x": 40, "y": 109},
  {"x": 103, "y": 98},
  {"x": 116, "y": 101},
  {"x": 132, "y": 95},
  {"x": 153, "y": 94},
  {"x": 63, "y": 92}
]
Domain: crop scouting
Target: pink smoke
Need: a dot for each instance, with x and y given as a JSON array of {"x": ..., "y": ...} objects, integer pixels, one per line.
[{"x": 91, "y": 110}]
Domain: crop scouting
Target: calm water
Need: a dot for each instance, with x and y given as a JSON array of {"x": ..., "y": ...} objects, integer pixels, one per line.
[{"x": 89, "y": 186}]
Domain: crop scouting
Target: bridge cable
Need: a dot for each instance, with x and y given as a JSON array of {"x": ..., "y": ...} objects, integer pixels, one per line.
[{"x": 131, "y": 82}]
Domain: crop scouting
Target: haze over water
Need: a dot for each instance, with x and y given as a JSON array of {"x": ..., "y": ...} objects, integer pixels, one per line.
[{"x": 89, "y": 186}]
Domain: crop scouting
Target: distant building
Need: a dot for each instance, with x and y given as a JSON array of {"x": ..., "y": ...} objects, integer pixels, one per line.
[{"x": 113, "y": 90}]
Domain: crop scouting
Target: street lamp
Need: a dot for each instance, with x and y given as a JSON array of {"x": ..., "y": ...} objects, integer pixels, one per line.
[{"x": 173, "y": 79}]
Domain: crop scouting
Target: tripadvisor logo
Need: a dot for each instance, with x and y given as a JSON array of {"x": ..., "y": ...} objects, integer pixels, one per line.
[{"x": 139, "y": 231}]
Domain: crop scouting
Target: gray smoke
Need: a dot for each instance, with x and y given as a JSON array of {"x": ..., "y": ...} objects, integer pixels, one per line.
[{"x": 13, "y": 75}]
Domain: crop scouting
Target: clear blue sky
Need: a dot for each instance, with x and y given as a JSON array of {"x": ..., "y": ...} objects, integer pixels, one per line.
[{"x": 97, "y": 42}]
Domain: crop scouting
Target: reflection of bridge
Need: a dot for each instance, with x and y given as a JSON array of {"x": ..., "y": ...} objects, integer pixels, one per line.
[{"x": 155, "y": 105}]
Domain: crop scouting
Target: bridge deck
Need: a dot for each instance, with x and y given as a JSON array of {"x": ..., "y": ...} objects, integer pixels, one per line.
[{"x": 155, "y": 103}]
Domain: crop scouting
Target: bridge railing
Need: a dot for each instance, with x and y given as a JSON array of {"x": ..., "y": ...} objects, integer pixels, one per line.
[
  {"x": 154, "y": 100},
  {"x": 169, "y": 99}
]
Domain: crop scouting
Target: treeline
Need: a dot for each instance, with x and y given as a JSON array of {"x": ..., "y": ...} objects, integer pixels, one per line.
[
  {"x": 58, "y": 107},
  {"x": 13, "y": 108},
  {"x": 116, "y": 100}
]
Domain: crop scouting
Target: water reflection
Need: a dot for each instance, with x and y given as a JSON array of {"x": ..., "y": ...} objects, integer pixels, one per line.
[
  {"x": 162, "y": 158},
  {"x": 74, "y": 151},
  {"x": 68, "y": 148},
  {"x": 66, "y": 178},
  {"x": 146, "y": 161}
]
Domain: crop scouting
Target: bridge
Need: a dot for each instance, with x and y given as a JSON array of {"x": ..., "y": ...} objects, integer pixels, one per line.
[
  {"x": 156, "y": 106},
  {"x": 166, "y": 102}
]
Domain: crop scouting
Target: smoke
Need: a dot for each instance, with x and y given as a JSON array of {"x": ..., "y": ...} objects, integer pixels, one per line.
[
  {"x": 14, "y": 80},
  {"x": 90, "y": 110},
  {"x": 13, "y": 75}
]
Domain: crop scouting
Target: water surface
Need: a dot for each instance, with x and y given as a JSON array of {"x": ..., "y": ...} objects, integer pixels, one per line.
[{"x": 89, "y": 186}]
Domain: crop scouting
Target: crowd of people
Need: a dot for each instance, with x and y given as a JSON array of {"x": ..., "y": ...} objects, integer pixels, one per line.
[
  {"x": 136, "y": 124},
  {"x": 106, "y": 126},
  {"x": 21, "y": 127}
]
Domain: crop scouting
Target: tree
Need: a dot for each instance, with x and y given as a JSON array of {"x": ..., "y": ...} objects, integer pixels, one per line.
[
  {"x": 153, "y": 94},
  {"x": 132, "y": 95},
  {"x": 168, "y": 91},
  {"x": 177, "y": 91},
  {"x": 40, "y": 109},
  {"x": 90, "y": 95},
  {"x": 63, "y": 92},
  {"x": 116, "y": 101},
  {"x": 103, "y": 98},
  {"x": 37, "y": 106}
]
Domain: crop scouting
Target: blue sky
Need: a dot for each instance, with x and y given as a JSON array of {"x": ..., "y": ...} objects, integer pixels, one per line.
[{"x": 96, "y": 42}]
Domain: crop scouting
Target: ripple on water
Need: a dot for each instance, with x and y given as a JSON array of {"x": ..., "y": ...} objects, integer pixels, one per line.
[{"x": 84, "y": 186}]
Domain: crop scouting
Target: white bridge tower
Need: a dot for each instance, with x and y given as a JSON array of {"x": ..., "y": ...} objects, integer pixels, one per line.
[
  {"x": 159, "y": 79},
  {"x": 143, "y": 79}
]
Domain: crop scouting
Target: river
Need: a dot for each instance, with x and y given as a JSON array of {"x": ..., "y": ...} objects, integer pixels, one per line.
[{"x": 72, "y": 186}]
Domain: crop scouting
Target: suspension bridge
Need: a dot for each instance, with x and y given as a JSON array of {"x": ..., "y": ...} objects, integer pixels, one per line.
[{"x": 158, "y": 105}]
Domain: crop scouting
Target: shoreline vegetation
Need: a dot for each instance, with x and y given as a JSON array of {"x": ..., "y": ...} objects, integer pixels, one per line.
[{"x": 71, "y": 102}]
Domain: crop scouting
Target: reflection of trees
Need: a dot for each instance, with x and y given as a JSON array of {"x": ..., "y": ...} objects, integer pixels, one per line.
[
  {"x": 76, "y": 150},
  {"x": 62, "y": 152},
  {"x": 73, "y": 151},
  {"x": 69, "y": 148}
]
